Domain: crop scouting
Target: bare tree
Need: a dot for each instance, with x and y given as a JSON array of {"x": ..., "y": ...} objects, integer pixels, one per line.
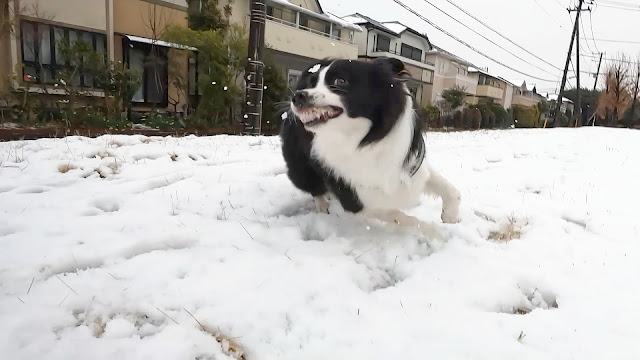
[{"x": 616, "y": 98}]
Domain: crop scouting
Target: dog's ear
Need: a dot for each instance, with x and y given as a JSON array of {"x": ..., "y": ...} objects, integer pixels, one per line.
[{"x": 396, "y": 66}]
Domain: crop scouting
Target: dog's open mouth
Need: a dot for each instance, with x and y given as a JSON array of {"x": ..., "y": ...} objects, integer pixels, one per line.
[{"x": 318, "y": 115}]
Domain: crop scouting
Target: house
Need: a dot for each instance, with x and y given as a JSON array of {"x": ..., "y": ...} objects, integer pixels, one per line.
[
  {"x": 121, "y": 29},
  {"x": 450, "y": 71},
  {"x": 395, "y": 40},
  {"x": 525, "y": 95},
  {"x": 490, "y": 88},
  {"x": 566, "y": 106},
  {"x": 299, "y": 33}
]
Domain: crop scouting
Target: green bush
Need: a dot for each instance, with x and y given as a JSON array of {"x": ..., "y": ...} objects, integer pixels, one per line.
[
  {"x": 467, "y": 118},
  {"x": 429, "y": 116},
  {"x": 526, "y": 116}
]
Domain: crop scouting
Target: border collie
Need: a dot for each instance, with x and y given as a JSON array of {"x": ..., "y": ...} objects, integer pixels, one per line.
[{"x": 351, "y": 132}]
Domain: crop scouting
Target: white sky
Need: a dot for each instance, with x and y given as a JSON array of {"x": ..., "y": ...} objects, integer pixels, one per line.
[{"x": 541, "y": 26}]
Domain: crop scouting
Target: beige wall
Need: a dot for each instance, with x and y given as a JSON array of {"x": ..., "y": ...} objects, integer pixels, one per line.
[
  {"x": 136, "y": 17},
  {"x": 524, "y": 100},
  {"x": 489, "y": 91},
  {"x": 304, "y": 43},
  {"x": 240, "y": 11},
  {"x": 90, "y": 14}
]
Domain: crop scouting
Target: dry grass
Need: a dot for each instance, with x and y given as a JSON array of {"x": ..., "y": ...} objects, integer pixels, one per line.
[
  {"x": 509, "y": 231},
  {"x": 65, "y": 168}
]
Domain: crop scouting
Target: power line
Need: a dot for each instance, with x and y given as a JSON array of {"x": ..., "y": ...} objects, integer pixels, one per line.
[
  {"x": 464, "y": 43},
  {"x": 620, "y": 8},
  {"x": 619, "y": 3},
  {"x": 593, "y": 37},
  {"x": 486, "y": 38},
  {"x": 584, "y": 32},
  {"x": 613, "y": 41},
  {"x": 608, "y": 59},
  {"x": 545, "y": 10},
  {"x": 497, "y": 32}
]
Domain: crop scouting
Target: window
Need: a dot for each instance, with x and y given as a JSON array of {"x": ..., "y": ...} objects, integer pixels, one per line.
[
  {"x": 337, "y": 33},
  {"x": 282, "y": 14},
  {"x": 383, "y": 43},
  {"x": 151, "y": 62},
  {"x": 293, "y": 77},
  {"x": 411, "y": 52},
  {"x": 427, "y": 76},
  {"x": 42, "y": 52}
]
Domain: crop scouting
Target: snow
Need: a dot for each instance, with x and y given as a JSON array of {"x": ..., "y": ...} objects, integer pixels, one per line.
[
  {"x": 134, "y": 247},
  {"x": 395, "y": 27},
  {"x": 315, "y": 68}
]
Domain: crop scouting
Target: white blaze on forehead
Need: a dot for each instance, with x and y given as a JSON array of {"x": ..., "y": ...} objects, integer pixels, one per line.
[{"x": 315, "y": 68}]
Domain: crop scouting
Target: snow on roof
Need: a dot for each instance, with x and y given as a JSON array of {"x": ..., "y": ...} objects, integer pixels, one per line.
[
  {"x": 554, "y": 97},
  {"x": 354, "y": 19},
  {"x": 395, "y": 26},
  {"x": 342, "y": 22},
  {"x": 368, "y": 20}
]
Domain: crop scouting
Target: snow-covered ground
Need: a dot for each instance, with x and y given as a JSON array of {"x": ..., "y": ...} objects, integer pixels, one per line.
[{"x": 199, "y": 248}]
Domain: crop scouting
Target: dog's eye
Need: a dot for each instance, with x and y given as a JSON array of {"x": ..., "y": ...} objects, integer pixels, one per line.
[{"x": 340, "y": 82}]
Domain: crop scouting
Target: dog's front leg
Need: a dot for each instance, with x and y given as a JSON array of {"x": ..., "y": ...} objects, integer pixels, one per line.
[
  {"x": 400, "y": 219},
  {"x": 450, "y": 196}
]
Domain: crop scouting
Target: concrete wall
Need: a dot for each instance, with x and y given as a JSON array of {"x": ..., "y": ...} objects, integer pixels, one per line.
[
  {"x": 88, "y": 14},
  {"x": 135, "y": 17},
  {"x": 489, "y": 91},
  {"x": 304, "y": 43},
  {"x": 507, "y": 100}
]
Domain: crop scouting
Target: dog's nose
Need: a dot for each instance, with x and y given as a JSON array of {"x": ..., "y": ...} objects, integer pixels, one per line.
[{"x": 300, "y": 98}]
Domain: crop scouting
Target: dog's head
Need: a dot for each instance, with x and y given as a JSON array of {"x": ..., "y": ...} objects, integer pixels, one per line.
[{"x": 352, "y": 96}]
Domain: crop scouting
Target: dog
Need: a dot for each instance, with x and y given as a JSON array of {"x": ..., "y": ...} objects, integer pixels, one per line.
[{"x": 351, "y": 133}]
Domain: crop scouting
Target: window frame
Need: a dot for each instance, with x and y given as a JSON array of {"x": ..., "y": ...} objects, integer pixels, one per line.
[
  {"x": 413, "y": 50},
  {"x": 54, "y": 66},
  {"x": 386, "y": 38},
  {"x": 147, "y": 48}
]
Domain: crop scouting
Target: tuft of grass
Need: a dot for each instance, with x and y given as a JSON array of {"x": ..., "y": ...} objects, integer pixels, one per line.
[
  {"x": 65, "y": 168},
  {"x": 509, "y": 231}
]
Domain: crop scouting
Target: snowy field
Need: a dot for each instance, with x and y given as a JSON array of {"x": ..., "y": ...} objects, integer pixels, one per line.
[{"x": 200, "y": 248}]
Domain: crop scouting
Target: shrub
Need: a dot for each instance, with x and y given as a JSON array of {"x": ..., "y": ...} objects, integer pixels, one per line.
[
  {"x": 476, "y": 116},
  {"x": 457, "y": 119},
  {"x": 430, "y": 116},
  {"x": 525, "y": 116},
  {"x": 467, "y": 119}
]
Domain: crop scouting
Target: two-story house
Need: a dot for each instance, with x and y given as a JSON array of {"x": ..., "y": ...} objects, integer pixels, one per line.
[
  {"x": 450, "y": 71},
  {"x": 525, "y": 95},
  {"x": 395, "y": 40},
  {"x": 299, "y": 33},
  {"x": 121, "y": 29}
]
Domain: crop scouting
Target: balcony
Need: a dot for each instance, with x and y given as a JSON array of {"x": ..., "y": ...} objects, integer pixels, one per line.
[
  {"x": 296, "y": 39},
  {"x": 489, "y": 91},
  {"x": 397, "y": 55},
  {"x": 452, "y": 80},
  {"x": 524, "y": 100}
]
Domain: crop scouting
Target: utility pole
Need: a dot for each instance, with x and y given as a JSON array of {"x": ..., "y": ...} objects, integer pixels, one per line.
[
  {"x": 578, "y": 10},
  {"x": 597, "y": 73},
  {"x": 252, "y": 108},
  {"x": 566, "y": 65}
]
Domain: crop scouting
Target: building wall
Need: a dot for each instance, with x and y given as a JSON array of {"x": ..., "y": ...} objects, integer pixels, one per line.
[
  {"x": 240, "y": 11},
  {"x": 507, "y": 100},
  {"x": 137, "y": 17},
  {"x": 88, "y": 14},
  {"x": 304, "y": 43}
]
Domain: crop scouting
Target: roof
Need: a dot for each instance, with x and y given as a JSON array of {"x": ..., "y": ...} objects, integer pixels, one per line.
[
  {"x": 367, "y": 20},
  {"x": 477, "y": 70},
  {"x": 400, "y": 28},
  {"x": 324, "y": 16},
  {"x": 440, "y": 51},
  {"x": 554, "y": 97}
]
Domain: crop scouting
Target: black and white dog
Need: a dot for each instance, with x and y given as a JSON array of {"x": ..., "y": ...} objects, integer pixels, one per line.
[{"x": 351, "y": 132}]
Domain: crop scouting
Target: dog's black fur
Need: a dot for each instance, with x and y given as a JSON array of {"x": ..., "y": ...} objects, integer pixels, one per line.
[{"x": 371, "y": 90}]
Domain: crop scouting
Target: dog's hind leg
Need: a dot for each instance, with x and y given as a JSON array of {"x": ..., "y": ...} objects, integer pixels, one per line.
[{"x": 439, "y": 186}]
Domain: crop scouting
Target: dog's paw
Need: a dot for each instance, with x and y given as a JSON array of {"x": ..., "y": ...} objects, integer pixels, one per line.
[
  {"x": 450, "y": 216},
  {"x": 322, "y": 205}
]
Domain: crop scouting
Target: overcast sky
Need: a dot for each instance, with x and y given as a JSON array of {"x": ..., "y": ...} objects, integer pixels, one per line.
[{"x": 541, "y": 26}]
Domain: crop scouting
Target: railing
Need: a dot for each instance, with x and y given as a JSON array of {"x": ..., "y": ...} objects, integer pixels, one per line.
[
  {"x": 313, "y": 31},
  {"x": 400, "y": 54}
]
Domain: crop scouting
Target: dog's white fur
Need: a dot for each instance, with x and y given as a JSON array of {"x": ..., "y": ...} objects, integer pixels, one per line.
[{"x": 376, "y": 171}]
